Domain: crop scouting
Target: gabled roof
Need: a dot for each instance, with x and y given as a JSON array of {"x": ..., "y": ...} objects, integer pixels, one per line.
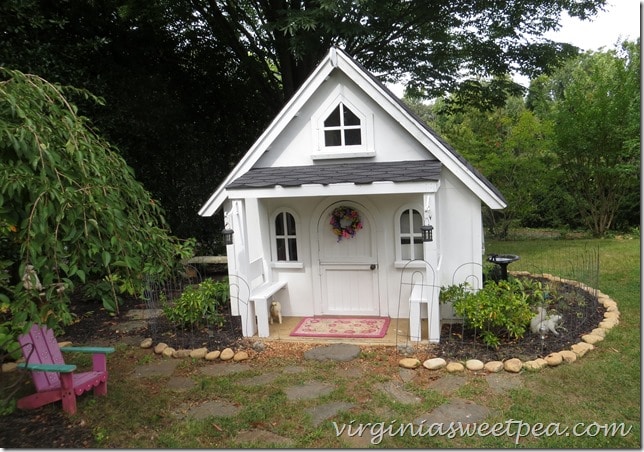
[{"x": 243, "y": 173}]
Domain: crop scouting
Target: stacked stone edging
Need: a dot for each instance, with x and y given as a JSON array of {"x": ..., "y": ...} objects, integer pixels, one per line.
[
  {"x": 515, "y": 365},
  {"x": 227, "y": 354}
]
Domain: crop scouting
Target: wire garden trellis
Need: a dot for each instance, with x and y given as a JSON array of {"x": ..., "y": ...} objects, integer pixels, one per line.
[
  {"x": 205, "y": 333},
  {"x": 570, "y": 281}
]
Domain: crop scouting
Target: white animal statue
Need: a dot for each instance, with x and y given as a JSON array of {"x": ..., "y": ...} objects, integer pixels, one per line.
[
  {"x": 276, "y": 312},
  {"x": 544, "y": 321}
]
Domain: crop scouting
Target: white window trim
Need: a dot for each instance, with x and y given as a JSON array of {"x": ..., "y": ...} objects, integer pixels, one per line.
[
  {"x": 342, "y": 95},
  {"x": 275, "y": 263},
  {"x": 400, "y": 262}
]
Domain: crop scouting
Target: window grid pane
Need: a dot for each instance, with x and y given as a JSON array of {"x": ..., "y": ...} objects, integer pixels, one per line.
[
  {"x": 333, "y": 138},
  {"x": 281, "y": 250},
  {"x": 279, "y": 224},
  {"x": 352, "y": 137},
  {"x": 334, "y": 118},
  {"x": 290, "y": 224},
  {"x": 350, "y": 119}
]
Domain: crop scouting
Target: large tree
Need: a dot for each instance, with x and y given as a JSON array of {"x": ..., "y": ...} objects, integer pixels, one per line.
[
  {"x": 429, "y": 45},
  {"x": 596, "y": 114},
  {"x": 513, "y": 148}
]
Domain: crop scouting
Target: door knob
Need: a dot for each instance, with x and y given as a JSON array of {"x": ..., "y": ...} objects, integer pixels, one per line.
[{"x": 373, "y": 266}]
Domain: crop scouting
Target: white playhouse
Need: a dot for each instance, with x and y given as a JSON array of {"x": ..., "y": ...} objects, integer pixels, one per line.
[{"x": 349, "y": 205}]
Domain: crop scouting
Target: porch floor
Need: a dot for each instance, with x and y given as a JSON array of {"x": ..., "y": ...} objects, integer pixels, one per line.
[{"x": 397, "y": 334}]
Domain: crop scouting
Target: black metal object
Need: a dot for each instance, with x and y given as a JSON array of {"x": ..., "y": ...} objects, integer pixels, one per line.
[
  {"x": 228, "y": 236},
  {"x": 428, "y": 232},
  {"x": 503, "y": 260}
]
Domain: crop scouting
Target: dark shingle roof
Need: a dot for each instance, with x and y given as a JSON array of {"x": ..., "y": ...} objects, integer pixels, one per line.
[{"x": 325, "y": 174}]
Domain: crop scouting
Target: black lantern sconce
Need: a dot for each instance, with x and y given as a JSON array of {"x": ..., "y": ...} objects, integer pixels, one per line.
[
  {"x": 428, "y": 233},
  {"x": 228, "y": 236}
]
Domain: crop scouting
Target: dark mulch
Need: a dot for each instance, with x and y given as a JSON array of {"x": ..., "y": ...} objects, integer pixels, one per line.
[
  {"x": 580, "y": 311},
  {"x": 49, "y": 427}
]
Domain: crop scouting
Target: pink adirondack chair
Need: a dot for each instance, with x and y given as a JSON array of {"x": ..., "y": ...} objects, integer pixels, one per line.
[{"x": 54, "y": 380}]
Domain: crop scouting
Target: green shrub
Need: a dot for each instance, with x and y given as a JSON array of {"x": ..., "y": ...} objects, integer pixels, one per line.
[
  {"x": 499, "y": 310},
  {"x": 199, "y": 305}
]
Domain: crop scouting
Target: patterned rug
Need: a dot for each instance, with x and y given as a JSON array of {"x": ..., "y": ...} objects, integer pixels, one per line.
[{"x": 342, "y": 327}]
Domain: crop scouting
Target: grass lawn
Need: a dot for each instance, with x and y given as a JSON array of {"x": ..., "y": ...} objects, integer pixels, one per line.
[
  {"x": 601, "y": 388},
  {"x": 605, "y": 385}
]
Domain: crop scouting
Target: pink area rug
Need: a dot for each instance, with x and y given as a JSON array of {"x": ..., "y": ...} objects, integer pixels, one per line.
[{"x": 373, "y": 327}]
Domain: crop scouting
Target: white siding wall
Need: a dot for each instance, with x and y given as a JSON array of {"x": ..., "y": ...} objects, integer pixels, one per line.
[{"x": 457, "y": 230}]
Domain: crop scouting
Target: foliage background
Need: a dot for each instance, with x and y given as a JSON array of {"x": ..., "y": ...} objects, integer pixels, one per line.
[{"x": 189, "y": 84}]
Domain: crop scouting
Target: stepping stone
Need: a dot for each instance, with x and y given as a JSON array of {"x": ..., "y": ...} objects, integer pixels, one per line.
[
  {"x": 322, "y": 412},
  {"x": 143, "y": 314},
  {"x": 356, "y": 441},
  {"x": 334, "y": 352},
  {"x": 260, "y": 380},
  {"x": 395, "y": 391},
  {"x": 308, "y": 391},
  {"x": 180, "y": 384},
  {"x": 159, "y": 368},
  {"x": 261, "y": 437},
  {"x": 407, "y": 375},
  {"x": 294, "y": 369},
  {"x": 212, "y": 408},
  {"x": 222, "y": 369},
  {"x": 448, "y": 383},
  {"x": 457, "y": 410},
  {"x": 502, "y": 382},
  {"x": 129, "y": 326}
]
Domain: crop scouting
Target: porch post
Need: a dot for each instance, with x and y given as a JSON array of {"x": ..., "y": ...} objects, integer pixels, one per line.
[
  {"x": 238, "y": 262},
  {"x": 432, "y": 276}
]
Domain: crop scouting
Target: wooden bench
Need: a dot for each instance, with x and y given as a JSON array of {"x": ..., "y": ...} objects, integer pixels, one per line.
[{"x": 261, "y": 292}]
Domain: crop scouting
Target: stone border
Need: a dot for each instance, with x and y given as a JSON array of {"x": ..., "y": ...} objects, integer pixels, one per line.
[
  {"x": 515, "y": 365},
  {"x": 512, "y": 365},
  {"x": 166, "y": 351}
]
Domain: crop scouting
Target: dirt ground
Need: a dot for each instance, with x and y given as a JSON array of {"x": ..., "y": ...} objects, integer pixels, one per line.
[{"x": 50, "y": 427}]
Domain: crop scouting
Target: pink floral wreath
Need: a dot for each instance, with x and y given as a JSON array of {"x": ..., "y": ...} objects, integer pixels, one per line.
[{"x": 345, "y": 221}]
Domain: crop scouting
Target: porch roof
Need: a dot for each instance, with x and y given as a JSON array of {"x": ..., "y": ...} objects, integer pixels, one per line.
[{"x": 338, "y": 173}]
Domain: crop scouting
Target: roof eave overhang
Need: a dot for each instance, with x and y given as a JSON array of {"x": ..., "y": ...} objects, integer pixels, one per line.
[{"x": 343, "y": 189}]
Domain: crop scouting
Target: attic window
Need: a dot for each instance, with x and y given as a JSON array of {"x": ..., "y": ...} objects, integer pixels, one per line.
[{"x": 342, "y": 128}]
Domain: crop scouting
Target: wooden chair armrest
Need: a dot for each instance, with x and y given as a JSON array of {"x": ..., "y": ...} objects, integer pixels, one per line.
[
  {"x": 102, "y": 350},
  {"x": 61, "y": 368}
]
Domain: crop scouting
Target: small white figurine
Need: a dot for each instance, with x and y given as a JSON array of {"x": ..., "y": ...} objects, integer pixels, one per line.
[{"x": 276, "y": 312}]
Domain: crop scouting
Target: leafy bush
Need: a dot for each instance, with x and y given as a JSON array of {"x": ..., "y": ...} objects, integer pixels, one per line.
[
  {"x": 199, "y": 304},
  {"x": 70, "y": 207},
  {"x": 501, "y": 309}
]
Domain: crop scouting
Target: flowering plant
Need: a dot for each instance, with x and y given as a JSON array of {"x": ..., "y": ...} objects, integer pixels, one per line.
[{"x": 345, "y": 221}]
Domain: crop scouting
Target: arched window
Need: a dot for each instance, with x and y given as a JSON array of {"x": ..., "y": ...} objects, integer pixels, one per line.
[
  {"x": 285, "y": 237},
  {"x": 342, "y": 128},
  {"x": 410, "y": 237}
]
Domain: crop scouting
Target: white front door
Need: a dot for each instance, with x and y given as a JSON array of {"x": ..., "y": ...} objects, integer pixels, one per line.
[{"x": 348, "y": 266}]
